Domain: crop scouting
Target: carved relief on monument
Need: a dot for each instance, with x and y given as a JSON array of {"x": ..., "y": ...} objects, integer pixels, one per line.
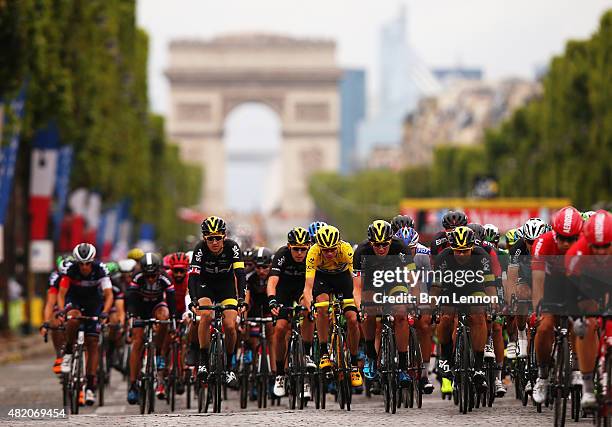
[
  {"x": 312, "y": 159},
  {"x": 312, "y": 112},
  {"x": 193, "y": 112}
]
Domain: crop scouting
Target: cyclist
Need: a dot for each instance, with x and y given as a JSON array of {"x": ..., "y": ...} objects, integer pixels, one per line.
[
  {"x": 461, "y": 257},
  {"x": 50, "y": 310},
  {"x": 512, "y": 236},
  {"x": 549, "y": 285},
  {"x": 379, "y": 244},
  {"x": 285, "y": 288},
  {"x": 401, "y": 221},
  {"x": 588, "y": 264},
  {"x": 116, "y": 316},
  {"x": 519, "y": 281},
  {"x": 85, "y": 290},
  {"x": 329, "y": 270},
  {"x": 313, "y": 228},
  {"x": 497, "y": 350},
  {"x": 216, "y": 275},
  {"x": 450, "y": 220},
  {"x": 422, "y": 261},
  {"x": 150, "y": 295},
  {"x": 249, "y": 261},
  {"x": 136, "y": 254}
]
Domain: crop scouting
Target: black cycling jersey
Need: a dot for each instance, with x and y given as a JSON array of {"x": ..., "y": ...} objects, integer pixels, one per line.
[
  {"x": 140, "y": 290},
  {"x": 439, "y": 243},
  {"x": 54, "y": 282},
  {"x": 461, "y": 282},
  {"x": 118, "y": 287},
  {"x": 86, "y": 289},
  {"x": 520, "y": 256},
  {"x": 259, "y": 297},
  {"x": 288, "y": 270},
  {"x": 365, "y": 249},
  {"x": 216, "y": 270}
]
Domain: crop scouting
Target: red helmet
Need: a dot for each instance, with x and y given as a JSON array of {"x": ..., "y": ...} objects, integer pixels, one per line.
[
  {"x": 178, "y": 259},
  {"x": 567, "y": 222},
  {"x": 598, "y": 229}
]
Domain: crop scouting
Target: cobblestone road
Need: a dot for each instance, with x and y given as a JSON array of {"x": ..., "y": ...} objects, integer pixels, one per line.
[{"x": 31, "y": 384}]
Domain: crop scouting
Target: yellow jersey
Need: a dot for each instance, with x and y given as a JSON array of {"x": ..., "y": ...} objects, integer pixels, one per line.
[{"x": 341, "y": 262}]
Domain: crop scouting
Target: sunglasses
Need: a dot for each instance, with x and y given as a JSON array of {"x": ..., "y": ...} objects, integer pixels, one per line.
[
  {"x": 299, "y": 248},
  {"x": 604, "y": 246},
  {"x": 329, "y": 251},
  {"x": 262, "y": 267},
  {"x": 85, "y": 263},
  {"x": 179, "y": 271},
  {"x": 462, "y": 251},
  {"x": 214, "y": 238},
  {"x": 381, "y": 244},
  {"x": 569, "y": 239},
  {"x": 529, "y": 242},
  {"x": 151, "y": 275}
]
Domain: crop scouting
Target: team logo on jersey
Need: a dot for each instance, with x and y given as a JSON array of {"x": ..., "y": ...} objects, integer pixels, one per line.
[
  {"x": 486, "y": 264},
  {"x": 281, "y": 261},
  {"x": 236, "y": 250},
  {"x": 198, "y": 255}
]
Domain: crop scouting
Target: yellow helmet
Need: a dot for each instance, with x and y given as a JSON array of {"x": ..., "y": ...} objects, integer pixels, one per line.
[
  {"x": 512, "y": 236},
  {"x": 213, "y": 225},
  {"x": 462, "y": 237},
  {"x": 328, "y": 237},
  {"x": 379, "y": 231},
  {"x": 135, "y": 254},
  {"x": 298, "y": 236}
]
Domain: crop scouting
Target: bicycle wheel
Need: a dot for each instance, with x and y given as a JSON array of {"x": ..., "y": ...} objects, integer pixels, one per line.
[
  {"x": 188, "y": 385},
  {"x": 463, "y": 380},
  {"x": 151, "y": 383},
  {"x": 65, "y": 391},
  {"x": 607, "y": 397},
  {"x": 101, "y": 374},
  {"x": 575, "y": 402},
  {"x": 415, "y": 360},
  {"x": 561, "y": 379},
  {"x": 243, "y": 382},
  {"x": 491, "y": 377},
  {"x": 76, "y": 381}
]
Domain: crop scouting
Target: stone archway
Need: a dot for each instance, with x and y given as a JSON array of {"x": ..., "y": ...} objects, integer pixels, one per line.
[{"x": 297, "y": 78}]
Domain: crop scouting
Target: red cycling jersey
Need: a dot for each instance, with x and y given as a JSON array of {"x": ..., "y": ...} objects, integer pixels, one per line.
[
  {"x": 546, "y": 255},
  {"x": 180, "y": 290}
]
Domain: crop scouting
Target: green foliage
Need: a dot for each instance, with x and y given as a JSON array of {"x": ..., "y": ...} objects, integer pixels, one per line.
[
  {"x": 85, "y": 63},
  {"x": 353, "y": 202}
]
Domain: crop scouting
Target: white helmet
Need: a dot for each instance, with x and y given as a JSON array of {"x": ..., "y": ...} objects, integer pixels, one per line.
[
  {"x": 84, "y": 252},
  {"x": 534, "y": 228},
  {"x": 127, "y": 265},
  {"x": 491, "y": 233}
]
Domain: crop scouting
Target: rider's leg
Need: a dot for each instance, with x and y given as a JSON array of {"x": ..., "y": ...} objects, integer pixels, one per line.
[
  {"x": 136, "y": 355},
  {"x": 229, "y": 328},
  {"x": 206, "y": 317},
  {"x": 279, "y": 344},
  {"x": 544, "y": 338}
]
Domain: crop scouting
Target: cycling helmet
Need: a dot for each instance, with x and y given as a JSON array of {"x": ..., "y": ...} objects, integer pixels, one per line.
[
  {"x": 127, "y": 265},
  {"x": 248, "y": 254},
  {"x": 213, "y": 225},
  {"x": 178, "y": 260},
  {"x": 512, "y": 236},
  {"x": 328, "y": 237},
  {"x": 400, "y": 221},
  {"x": 586, "y": 215},
  {"x": 408, "y": 235},
  {"x": 598, "y": 229},
  {"x": 166, "y": 261},
  {"x": 64, "y": 263},
  {"x": 567, "y": 222},
  {"x": 478, "y": 230},
  {"x": 314, "y": 227},
  {"x": 112, "y": 267},
  {"x": 452, "y": 219},
  {"x": 135, "y": 254},
  {"x": 263, "y": 257},
  {"x": 298, "y": 236},
  {"x": 462, "y": 237},
  {"x": 84, "y": 252},
  {"x": 379, "y": 231},
  {"x": 491, "y": 233},
  {"x": 150, "y": 263},
  {"x": 189, "y": 255},
  {"x": 533, "y": 228}
]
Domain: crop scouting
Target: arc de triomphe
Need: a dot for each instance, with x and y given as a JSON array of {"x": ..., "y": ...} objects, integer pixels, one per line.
[{"x": 297, "y": 78}]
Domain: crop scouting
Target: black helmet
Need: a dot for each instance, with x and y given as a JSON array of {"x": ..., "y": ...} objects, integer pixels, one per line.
[
  {"x": 150, "y": 263},
  {"x": 298, "y": 236},
  {"x": 452, "y": 219},
  {"x": 248, "y": 254},
  {"x": 479, "y": 231},
  {"x": 400, "y": 221},
  {"x": 263, "y": 256},
  {"x": 213, "y": 225}
]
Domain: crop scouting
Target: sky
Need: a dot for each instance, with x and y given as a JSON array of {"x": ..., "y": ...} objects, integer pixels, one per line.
[{"x": 504, "y": 37}]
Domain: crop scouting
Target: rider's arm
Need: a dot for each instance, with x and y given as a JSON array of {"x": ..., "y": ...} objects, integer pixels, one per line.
[
  {"x": 63, "y": 290},
  {"x": 51, "y": 301},
  {"x": 271, "y": 287},
  {"x": 241, "y": 280},
  {"x": 120, "y": 305},
  {"x": 538, "y": 273}
]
